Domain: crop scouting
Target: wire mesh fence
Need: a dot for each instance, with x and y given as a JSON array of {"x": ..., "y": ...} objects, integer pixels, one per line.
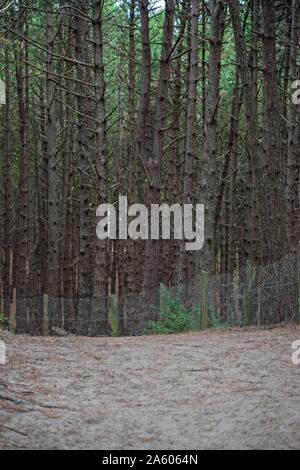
[{"x": 251, "y": 296}]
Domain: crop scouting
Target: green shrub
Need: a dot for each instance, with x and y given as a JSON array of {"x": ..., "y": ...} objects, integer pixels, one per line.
[
  {"x": 4, "y": 322},
  {"x": 172, "y": 316},
  {"x": 217, "y": 322},
  {"x": 214, "y": 321}
]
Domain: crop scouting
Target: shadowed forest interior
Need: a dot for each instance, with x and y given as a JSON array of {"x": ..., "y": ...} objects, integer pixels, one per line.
[{"x": 187, "y": 101}]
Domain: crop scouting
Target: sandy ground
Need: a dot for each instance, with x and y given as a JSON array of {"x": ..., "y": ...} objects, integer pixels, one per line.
[{"x": 214, "y": 390}]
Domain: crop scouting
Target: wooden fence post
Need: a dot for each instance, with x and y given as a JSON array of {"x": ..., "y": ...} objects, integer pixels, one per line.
[
  {"x": 114, "y": 315},
  {"x": 164, "y": 293},
  {"x": 236, "y": 297},
  {"x": 298, "y": 280},
  {"x": 13, "y": 310},
  {"x": 46, "y": 314},
  {"x": 259, "y": 300},
  {"x": 249, "y": 307},
  {"x": 204, "y": 300}
]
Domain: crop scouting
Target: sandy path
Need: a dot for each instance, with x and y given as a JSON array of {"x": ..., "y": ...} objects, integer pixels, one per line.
[{"x": 221, "y": 389}]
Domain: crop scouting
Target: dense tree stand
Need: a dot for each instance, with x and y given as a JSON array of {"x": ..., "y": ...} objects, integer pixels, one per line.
[{"x": 188, "y": 102}]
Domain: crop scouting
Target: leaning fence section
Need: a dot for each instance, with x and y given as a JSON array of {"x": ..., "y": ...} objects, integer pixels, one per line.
[{"x": 251, "y": 296}]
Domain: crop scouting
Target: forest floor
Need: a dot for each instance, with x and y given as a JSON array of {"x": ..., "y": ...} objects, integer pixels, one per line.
[{"x": 235, "y": 389}]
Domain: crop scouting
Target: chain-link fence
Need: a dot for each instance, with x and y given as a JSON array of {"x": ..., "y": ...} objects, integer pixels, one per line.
[{"x": 251, "y": 296}]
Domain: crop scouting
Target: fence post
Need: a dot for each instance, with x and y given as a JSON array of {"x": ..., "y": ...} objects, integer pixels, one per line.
[
  {"x": 259, "y": 300},
  {"x": 236, "y": 296},
  {"x": 162, "y": 290},
  {"x": 114, "y": 315},
  {"x": 13, "y": 309},
  {"x": 45, "y": 314},
  {"x": 298, "y": 280},
  {"x": 249, "y": 307},
  {"x": 204, "y": 300}
]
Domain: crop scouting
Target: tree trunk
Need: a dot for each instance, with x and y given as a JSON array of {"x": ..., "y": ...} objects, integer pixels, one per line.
[
  {"x": 99, "y": 323},
  {"x": 53, "y": 188},
  {"x": 210, "y": 146},
  {"x": 154, "y": 165}
]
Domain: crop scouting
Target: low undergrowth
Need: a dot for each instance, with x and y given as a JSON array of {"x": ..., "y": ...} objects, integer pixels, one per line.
[
  {"x": 4, "y": 322},
  {"x": 172, "y": 316}
]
